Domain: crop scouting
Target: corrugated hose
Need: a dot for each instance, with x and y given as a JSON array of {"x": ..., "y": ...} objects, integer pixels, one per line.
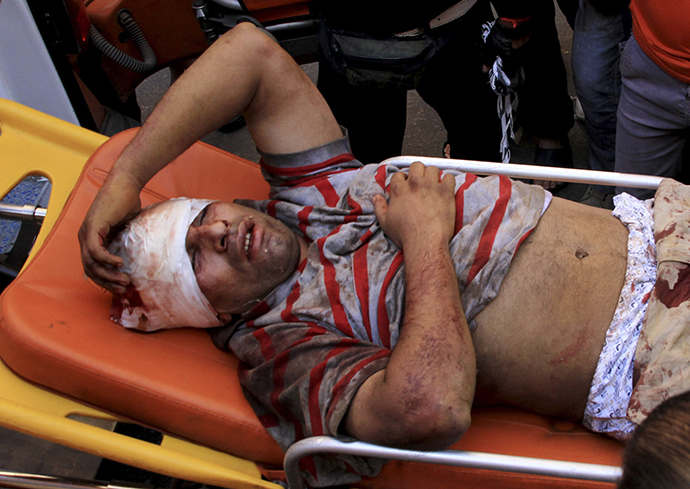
[{"x": 126, "y": 20}]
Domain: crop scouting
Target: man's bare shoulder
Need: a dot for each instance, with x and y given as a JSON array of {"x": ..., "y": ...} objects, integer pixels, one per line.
[{"x": 538, "y": 342}]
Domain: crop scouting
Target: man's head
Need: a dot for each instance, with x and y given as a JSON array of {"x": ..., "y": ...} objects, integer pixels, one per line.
[
  {"x": 196, "y": 263},
  {"x": 239, "y": 255},
  {"x": 658, "y": 455}
]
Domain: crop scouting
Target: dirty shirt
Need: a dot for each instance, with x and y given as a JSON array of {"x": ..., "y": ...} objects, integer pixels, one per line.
[
  {"x": 309, "y": 345},
  {"x": 664, "y": 345}
]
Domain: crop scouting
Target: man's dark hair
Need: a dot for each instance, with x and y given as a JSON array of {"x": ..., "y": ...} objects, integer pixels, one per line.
[{"x": 658, "y": 455}]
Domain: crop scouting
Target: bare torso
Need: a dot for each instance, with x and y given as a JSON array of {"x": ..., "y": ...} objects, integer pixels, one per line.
[{"x": 537, "y": 344}]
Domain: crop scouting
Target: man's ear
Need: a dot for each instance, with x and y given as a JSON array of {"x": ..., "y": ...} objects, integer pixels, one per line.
[{"x": 226, "y": 318}]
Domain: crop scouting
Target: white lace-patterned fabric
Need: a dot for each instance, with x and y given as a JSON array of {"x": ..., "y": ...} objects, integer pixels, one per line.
[{"x": 612, "y": 384}]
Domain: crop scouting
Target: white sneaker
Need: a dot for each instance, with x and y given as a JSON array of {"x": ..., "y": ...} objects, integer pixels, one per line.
[{"x": 578, "y": 113}]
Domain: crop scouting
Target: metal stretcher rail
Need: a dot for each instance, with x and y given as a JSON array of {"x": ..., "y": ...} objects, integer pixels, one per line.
[
  {"x": 513, "y": 170},
  {"x": 30, "y": 213},
  {"x": 457, "y": 458},
  {"x": 37, "y": 214},
  {"x": 16, "y": 480}
]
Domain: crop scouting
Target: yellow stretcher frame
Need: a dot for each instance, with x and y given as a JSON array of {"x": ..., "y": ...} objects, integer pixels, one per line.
[{"x": 33, "y": 143}]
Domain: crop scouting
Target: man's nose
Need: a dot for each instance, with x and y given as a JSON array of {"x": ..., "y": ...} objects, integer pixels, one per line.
[{"x": 213, "y": 235}]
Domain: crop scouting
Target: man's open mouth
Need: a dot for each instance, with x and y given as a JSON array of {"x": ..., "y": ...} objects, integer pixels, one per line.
[{"x": 248, "y": 240}]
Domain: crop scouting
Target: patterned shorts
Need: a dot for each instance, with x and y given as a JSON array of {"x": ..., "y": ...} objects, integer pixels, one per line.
[{"x": 612, "y": 384}]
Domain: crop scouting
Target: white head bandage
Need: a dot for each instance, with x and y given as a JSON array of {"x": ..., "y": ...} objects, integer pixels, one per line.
[{"x": 163, "y": 292}]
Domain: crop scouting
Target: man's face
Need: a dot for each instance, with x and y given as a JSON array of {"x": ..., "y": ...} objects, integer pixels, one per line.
[{"x": 239, "y": 255}]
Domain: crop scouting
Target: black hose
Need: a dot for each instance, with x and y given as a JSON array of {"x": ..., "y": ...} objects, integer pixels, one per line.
[{"x": 118, "y": 56}]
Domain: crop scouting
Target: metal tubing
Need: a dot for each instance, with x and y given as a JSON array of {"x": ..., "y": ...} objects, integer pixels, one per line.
[
  {"x": 288, "y": 26},
  {"x": 17, "y": 480},
  {"x": 535, "y": 172},
  {"x": 231, "y": 4},
  {"x": 489, "y": 461},
  {"x": 29, "y": 213},
  {"x": 8, "y": 271}
]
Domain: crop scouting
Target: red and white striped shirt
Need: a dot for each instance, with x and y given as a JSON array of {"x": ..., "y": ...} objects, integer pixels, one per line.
[{"x": 316, "y": 338}]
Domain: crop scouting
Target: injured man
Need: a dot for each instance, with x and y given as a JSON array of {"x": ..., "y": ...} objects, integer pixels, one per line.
[{"x": 380, "y": 303}]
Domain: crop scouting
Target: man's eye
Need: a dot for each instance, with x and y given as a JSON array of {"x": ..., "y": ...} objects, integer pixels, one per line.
[
  {"x": 198, "y": 221},
  {"x": 202, "y": 215},
  {"x": 195, "y": 254}
]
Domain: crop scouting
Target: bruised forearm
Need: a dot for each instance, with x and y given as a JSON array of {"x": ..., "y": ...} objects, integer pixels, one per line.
[
  {"x": 432, "y": 368},
  {"x": 423, "y": 398}
]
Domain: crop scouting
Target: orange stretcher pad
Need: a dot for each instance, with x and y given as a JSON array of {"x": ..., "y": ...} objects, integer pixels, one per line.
[{"x": 55, "y": 332}]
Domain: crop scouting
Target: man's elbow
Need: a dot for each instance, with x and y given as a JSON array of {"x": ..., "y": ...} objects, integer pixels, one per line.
[
  {"x": 427, "y": 418},
  {"x": 432, "y": 427}
]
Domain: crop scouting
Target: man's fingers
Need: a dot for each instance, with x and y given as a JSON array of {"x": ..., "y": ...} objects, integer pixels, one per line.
[
  {"x": 420, "y": 171},
  {"x": 380, "y": 207},
  {"x": 102, "y": 255},
  {"x": 109, "y": 278},
  {"x": 112, "y": 287},
  {"x": 102, "y": 266},
  {"x": 417, "y": 167},
  {"x": 105, "y": 275},
  {"x": 448, "y": 181},
  {"x": 117, "y": 201},
  {"x": 433, "y": 174},
  {"x": 429, "y": 177},
  {"x": 398, "y": 178},
  {"x": 388, "y": 226},
  {"x": 94, "y": 248}
]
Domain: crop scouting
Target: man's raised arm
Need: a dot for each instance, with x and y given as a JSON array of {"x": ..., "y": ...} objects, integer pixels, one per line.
[
  {"x": 422, "y": 400},
  {"x": 243, "y": 72}
]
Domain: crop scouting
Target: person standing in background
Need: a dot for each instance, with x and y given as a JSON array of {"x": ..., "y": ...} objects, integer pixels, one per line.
[
  {"x": 451, "y": 81},
  {"x": 372, "y": 53},
  {"x": 600, "y": 30},
  {"x": 654, "y": 108}
]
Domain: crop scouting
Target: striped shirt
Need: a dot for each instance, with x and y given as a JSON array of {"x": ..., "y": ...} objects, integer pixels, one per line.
[{"x": 308, "y": 346}]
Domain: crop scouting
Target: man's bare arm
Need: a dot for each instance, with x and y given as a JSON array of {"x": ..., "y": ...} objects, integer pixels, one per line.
[
  {"x": 423, "y": 398},
  {"x": 243, "y": 72}
]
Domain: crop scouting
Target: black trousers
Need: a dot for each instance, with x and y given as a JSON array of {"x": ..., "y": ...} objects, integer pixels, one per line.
[
  {"x": 545, "y": 109},
  {"x": 455, "y": 86}
]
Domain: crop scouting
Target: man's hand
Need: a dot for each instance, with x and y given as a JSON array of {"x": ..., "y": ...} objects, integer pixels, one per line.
[
  {"x": 116, "y": 203},
  {"x": 421, "y": 207},
  {"x": 244, "y": 72},
  {"x": 422, "y": 400}
]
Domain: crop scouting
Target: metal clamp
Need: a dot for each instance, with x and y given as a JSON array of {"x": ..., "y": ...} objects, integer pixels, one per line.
[{"x": 29, "y": 213}]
